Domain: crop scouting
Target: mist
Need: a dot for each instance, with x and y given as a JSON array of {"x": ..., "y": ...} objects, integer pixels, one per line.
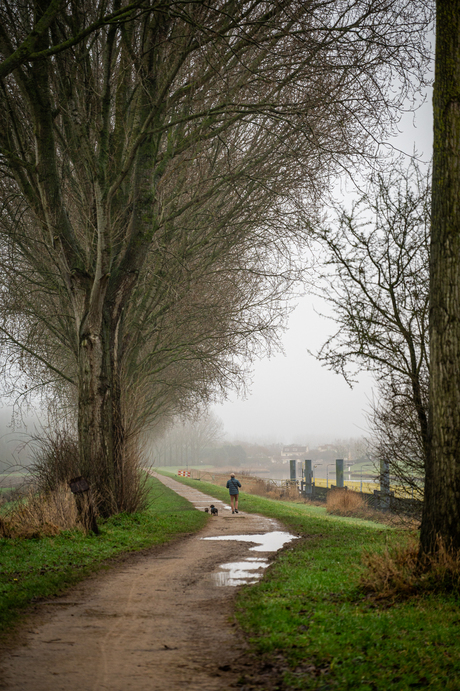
[{"x": 292, "y": 398}]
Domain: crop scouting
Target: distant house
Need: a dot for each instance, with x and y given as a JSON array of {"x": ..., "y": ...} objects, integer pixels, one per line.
[{"x": 294, "y": 451}]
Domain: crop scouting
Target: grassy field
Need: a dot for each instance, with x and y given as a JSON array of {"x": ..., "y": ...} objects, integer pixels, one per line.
[
  {"x": 32, "y": 569},
  {"x": 310, "y": 621}
]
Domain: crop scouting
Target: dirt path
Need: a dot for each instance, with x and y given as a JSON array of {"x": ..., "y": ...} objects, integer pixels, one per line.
[{"x": 160, "y": 622}]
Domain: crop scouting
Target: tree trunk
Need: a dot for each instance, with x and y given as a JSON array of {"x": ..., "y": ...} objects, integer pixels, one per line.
[
  {"x": 100, "y": 405},
  {"x": 441, "y": 515},
  {"x": 95, "y": 417},
  {"x": 122, "y": 481}
]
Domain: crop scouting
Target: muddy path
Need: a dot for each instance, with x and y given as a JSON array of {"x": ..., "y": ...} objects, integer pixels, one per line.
[{"x": 159, "y": 621}]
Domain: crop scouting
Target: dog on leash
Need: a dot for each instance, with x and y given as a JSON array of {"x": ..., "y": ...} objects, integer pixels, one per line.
[{"x": 214, "y": 511}]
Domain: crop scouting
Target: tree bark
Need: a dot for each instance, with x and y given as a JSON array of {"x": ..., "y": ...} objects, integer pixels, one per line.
[
  {"x": 101, "y": 421},
  {"x": 95, "y": 415},
  {"x": 441, "y": 515}
]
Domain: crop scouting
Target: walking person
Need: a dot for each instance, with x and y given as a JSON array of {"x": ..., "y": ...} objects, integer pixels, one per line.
[{"x": 233, "y": 486}]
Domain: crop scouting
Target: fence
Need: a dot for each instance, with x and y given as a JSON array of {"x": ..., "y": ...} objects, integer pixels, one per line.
[
  {"x": 379, "y": 496},
  {"x": 355, "y": 485},
  {"x": 366, "y": 487}
]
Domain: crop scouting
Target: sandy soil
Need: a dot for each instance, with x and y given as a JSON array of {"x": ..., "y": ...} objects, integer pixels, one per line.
[{"x": 158, "y": 621}]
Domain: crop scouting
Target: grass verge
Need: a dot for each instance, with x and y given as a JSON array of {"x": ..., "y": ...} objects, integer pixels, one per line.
[
  {"x": 313, "y": 626},
  {"x": 36, "y": 568}
]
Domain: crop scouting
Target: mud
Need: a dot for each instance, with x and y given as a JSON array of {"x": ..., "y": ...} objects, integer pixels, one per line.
[{"x": 162, "y": 621}]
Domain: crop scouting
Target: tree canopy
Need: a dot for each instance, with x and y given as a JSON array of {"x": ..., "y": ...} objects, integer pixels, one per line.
[{"x": 156, "y": 165}]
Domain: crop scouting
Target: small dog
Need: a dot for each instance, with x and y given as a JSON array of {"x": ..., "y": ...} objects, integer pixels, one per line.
[
  {"x": 214, "y": 511},
  {"x": 206, "y": 510}
]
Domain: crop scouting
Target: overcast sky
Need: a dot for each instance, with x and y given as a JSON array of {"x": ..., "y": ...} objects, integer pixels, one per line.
[{"x": 294, "y": 399}]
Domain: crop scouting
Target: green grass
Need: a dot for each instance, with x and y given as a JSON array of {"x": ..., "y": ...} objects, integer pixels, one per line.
[
  {"x": 33, "y": 569},
  {"x": 309, "y": 612}
]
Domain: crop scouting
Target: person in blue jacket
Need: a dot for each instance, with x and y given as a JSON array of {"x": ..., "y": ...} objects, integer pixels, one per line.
[{"x": 233, "y": 486}]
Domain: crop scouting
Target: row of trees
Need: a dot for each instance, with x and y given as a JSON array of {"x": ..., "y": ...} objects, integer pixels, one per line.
[{"x": 157, "y": 159}]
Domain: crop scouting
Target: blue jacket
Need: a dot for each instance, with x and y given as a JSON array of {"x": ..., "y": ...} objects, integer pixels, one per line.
[{"x": 232, "y": 485}]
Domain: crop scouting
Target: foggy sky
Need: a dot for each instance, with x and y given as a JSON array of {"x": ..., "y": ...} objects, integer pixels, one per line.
[{"x": 293, "y": 398}]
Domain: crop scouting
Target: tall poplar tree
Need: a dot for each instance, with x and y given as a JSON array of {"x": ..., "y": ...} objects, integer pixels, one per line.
[{"x": 441, "y": 516}]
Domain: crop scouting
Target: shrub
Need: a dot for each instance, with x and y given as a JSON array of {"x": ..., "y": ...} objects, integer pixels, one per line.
[
  {"x": 134, "y": 492},
  {"x": 55, "y": 460},
  {"x": 39, "y": 515},
  {"x": 342, "y": 502},
  {"x": 399, "y": 572}
]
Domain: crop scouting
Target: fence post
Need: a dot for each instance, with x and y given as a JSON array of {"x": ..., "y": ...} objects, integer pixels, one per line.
[
  {"x": 339, "y": 472},
  {"x": 384, "y": 485},
  {"x": 308, "y": 478}
]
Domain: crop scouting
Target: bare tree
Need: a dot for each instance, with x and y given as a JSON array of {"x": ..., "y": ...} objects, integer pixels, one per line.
[
  {"x": 150, "y": 170},
  {"x": 395, "y": 437},
  {"x": 375, "y": 276},
  {"x": 32, "y": 22}
]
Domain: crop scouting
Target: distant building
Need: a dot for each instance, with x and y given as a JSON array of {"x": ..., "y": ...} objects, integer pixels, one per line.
[
  {"x": 327, "y": 447},
  {"x": 294, "y": 451}
]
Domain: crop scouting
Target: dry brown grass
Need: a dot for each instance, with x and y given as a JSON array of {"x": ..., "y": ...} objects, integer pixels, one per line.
[
  {"x": 342, "y": 502},
  {"x": 40, "y": 515},
  {"x": 345, "y": 503},
  {"x": 398, "y": 572},
  {"x": 268, "y": 489}
]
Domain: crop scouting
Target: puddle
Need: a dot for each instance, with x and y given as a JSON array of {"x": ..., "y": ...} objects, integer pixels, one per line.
[
  {"x": 200, "y": 504},
  {"x": 240, "y": 572},
  {"x": 251, "y": 569},
  {"x": 265, "y": 542}
]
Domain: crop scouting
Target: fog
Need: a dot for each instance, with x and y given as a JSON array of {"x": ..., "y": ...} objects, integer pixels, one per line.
[
  {"x": 293, "y": 399},
  {"x": 14, "y": 438}
]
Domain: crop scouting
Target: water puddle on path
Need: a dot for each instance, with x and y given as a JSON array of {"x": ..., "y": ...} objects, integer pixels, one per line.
[
  {"x": 240, "y": 572},
  {"x": 250, "y": 570}
]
